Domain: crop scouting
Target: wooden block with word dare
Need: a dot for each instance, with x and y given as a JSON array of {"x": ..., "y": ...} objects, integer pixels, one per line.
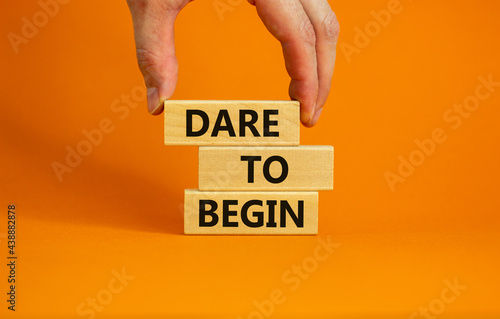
[
  {"x": 297, "y": 168},
  {"x": 250, "y": 213},
  {"x": 232, "y": 122}
]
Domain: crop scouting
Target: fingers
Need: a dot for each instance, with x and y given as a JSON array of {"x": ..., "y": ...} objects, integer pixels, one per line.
[
  {"x": 326, "y": 28},
  {"x": 289, "y": 23},
  {"x": 308, "y": 32},
  {"x": 154, "y": 38}
]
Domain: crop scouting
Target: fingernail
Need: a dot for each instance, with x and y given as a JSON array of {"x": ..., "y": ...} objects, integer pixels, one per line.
[
  {"x": 153, "y": 100},
  {"x": 316, "y": 117},
  {"x": 304, "y": 117}
]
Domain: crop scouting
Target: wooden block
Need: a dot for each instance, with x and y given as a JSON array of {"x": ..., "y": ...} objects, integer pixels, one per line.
[
  {"x": 297, "y": 168},
  {"x": 250, "y": 213},
  {"x": 232, "y": 123}
]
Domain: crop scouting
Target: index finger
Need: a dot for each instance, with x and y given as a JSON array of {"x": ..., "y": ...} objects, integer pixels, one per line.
[{"x": 288, "y": 22}]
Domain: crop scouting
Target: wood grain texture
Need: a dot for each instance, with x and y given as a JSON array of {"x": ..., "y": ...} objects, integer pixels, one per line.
[
  {"x": 288, "y": 122},
  {"x": 272, "y": 217},
  {"x": 309, "y": 168}
]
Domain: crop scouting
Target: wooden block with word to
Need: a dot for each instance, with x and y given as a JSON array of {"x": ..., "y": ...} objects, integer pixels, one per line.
[
  {"x": 297, "y": 168},
  {"x": 250, "y": 213},
  {"x": 232, "y": 122}
]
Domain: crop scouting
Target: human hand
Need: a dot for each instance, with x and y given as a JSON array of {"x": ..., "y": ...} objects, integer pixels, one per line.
[{"x": 307, "y": 29}]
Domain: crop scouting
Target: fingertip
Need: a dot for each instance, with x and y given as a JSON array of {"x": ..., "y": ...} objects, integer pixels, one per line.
[
  {"x": 305, "y": 117},
  {"x": 301, "y": 92},
  {"x": 158, "y": 110},
  {"x": 315, "y": 118},
  {"x": 155, "y": 105}
]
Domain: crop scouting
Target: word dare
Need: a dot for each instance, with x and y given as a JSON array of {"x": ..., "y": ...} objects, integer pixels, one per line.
[{"x": 232, "y": 123}]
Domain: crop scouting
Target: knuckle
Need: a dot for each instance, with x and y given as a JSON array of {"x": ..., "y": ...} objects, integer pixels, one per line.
[
  {"x": 331, "y": 27},
  {"x": 307, "y": 32},
  {"x": 146, "y": 59}
]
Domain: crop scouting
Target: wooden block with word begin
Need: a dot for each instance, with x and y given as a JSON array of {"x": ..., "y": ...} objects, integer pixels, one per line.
[
  {"x": 297, "y": 168},
  {"x": 232, "y": 123},
  {"x": 250, "y": 213}
]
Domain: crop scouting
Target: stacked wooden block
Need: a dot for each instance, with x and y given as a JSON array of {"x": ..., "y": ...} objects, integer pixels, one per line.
[{"x": 254, "y": 178}]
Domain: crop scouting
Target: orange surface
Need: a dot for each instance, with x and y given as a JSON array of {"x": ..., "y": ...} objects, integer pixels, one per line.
[{"x": 120, "y": 207}]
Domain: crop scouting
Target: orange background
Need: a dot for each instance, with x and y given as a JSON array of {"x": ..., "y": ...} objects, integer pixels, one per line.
[{"x": 120, "y": 208}]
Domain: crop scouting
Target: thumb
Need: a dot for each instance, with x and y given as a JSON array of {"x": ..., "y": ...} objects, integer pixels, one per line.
[{"x": 154, "y": 39}]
